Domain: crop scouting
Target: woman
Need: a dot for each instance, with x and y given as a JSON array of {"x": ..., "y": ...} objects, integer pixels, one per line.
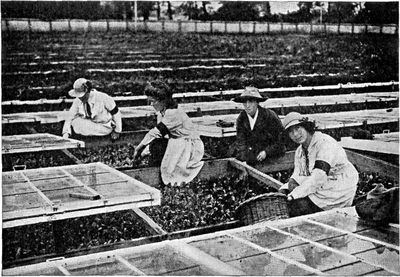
[
  {"x": 258, "y": 129},
  {"x": 182, "y": 158},
  {"x": 323, "y": 177}
]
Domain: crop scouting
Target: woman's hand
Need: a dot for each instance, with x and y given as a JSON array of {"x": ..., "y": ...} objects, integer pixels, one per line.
[
  {"x": 261, "y": 156},
  {"x": 138, "y": 151}
]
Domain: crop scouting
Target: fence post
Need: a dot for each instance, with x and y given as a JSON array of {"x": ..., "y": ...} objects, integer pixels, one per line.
[
  {"x": 29, "y": 25},
  {"x": 8, "y": 26},
  {"x": 179, "y": 26},
  {"x": 69, "y": 25}
]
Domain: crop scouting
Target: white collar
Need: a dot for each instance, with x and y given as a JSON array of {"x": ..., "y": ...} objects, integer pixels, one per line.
[{"x": 252, "y": 120}]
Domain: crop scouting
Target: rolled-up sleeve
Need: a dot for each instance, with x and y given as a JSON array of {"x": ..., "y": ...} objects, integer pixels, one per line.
[
  {"x": 112, "y": 108},
  {"x": 73, "y": 111}
]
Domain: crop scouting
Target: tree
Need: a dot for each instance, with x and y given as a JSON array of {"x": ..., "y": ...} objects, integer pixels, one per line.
[
  {"x": 145, "y": 8},
  {"x": 237, "y": 11},
  {"x": 341, "y": 12},
  {"x": 380, "y": 12}
]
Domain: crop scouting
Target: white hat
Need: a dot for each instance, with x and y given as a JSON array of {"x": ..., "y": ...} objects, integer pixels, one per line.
[
  {"x": 79, "y": 88},
  {"x": 292, "y": 119},
  {"x": 250, "y": 93}
]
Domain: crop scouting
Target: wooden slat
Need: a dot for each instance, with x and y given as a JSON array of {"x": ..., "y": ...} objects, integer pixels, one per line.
[
  {"x": 370, "y": 145},
  {"x": 221, "y": 107},
  {"x": 264, "y": 178},
  {"x": 365, "y": 163},
  {"x": 130, "y": 266},
  {"x": 154, "y": 227}
]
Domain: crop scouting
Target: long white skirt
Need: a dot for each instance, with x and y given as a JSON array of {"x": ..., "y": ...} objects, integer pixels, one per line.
[
  {"x": 182, "y": 160},
  {"x": 87, "y": 127}
]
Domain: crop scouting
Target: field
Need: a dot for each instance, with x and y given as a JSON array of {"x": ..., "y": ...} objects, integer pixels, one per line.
[{"x": 44, "y": 66}]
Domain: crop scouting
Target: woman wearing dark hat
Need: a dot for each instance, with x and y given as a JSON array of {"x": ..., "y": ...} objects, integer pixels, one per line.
[
  {"x": 257, "y": 129},
  {"x": 182, "y": 159},
  {"x": 323, "y": 177}
]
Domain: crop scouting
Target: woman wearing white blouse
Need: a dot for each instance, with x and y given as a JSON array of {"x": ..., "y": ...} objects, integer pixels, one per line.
[
  {"x": 182, "y": 158},
  {"x": 323, "y": 177}
]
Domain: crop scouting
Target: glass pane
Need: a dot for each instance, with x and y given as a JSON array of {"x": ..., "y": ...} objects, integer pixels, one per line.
[
  {"x": 268, "y": 238},
  {"x": 101, "y": 178},
  {"x": 119, "y": 189},
  {"x": 383, "y": 256},
  {"x": 101, "y": 268},
  {"x": 265, "y": 264},
  {"x": 358, "y": 268},
  {"x": 64, "y": 194},
  {"x": 44, "y": 173},
  {"x": 348, "y": 244},
  {"x": 54, "y": 271},
  {"x": 160, "y": 261},
  {"x": 85, "y": 169},
  {"x": 22, "y": 201},
  {"x": 55, "y": 184},
  {"x": 342, "y": 221},
  {"x": 316, "y": 257},
  {"x": 389, "y": 235},
  {"x": 225, "y": 248},
  {"x": 311, "y": 231},
  {"x": 12, "y": 177},
  {"x": 17, "y": 188}
]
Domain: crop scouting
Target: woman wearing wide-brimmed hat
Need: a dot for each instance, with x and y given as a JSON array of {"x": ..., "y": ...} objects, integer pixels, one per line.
[
  {"x": 323, "y": 177},
  {"x": 257, "y": 129}
]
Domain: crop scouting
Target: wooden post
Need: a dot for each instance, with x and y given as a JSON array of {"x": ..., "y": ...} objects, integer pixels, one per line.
[
  {"x": 69, "y": 25},
  {"x": 179, "y": 26}
]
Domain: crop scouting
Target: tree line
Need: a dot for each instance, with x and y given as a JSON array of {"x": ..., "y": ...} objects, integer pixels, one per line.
[{"x": 324, "y": 12}]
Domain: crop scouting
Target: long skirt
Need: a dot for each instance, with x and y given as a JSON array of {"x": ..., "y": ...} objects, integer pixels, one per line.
[{"x": 182, "y": 160}]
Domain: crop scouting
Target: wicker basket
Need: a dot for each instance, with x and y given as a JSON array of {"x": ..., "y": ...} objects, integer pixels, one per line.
[{"x": 268, "y": 206}]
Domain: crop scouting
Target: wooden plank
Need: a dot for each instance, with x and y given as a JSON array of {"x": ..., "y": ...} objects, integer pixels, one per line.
[
  {"x": 365, "y": 163},
  {"x": 388, "y": 137},
  {"x": 130, "y": 266},
  {"x": 193, "y": 96},
  {"x": 224, "y": 107},
  {"x": 154, "y": 227},
  {"x": 264, "y": 178},
  {"x": 370, "y": 145},
  {"x": 216, "y": 266}
]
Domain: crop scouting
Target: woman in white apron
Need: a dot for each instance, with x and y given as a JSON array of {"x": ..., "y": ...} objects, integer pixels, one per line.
[
  {"x": 182, "y": 159},
  {"x": 323, "y": 177}
]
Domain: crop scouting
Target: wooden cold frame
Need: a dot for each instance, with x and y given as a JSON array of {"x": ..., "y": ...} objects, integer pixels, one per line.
[
  {"x": 246, "y": 251},
  {"x": 37, "y": 142},
  {"x": 70, "y": 191}
]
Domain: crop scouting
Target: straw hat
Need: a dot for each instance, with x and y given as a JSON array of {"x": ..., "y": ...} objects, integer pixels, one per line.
[
  {"x": 292, "y": 119},
  {"x": 250, "y": 93},
  {"x": 79, "y": 88}
]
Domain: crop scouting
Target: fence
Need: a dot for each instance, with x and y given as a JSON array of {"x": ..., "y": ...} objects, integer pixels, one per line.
[{"x": 74, "y": 25}]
